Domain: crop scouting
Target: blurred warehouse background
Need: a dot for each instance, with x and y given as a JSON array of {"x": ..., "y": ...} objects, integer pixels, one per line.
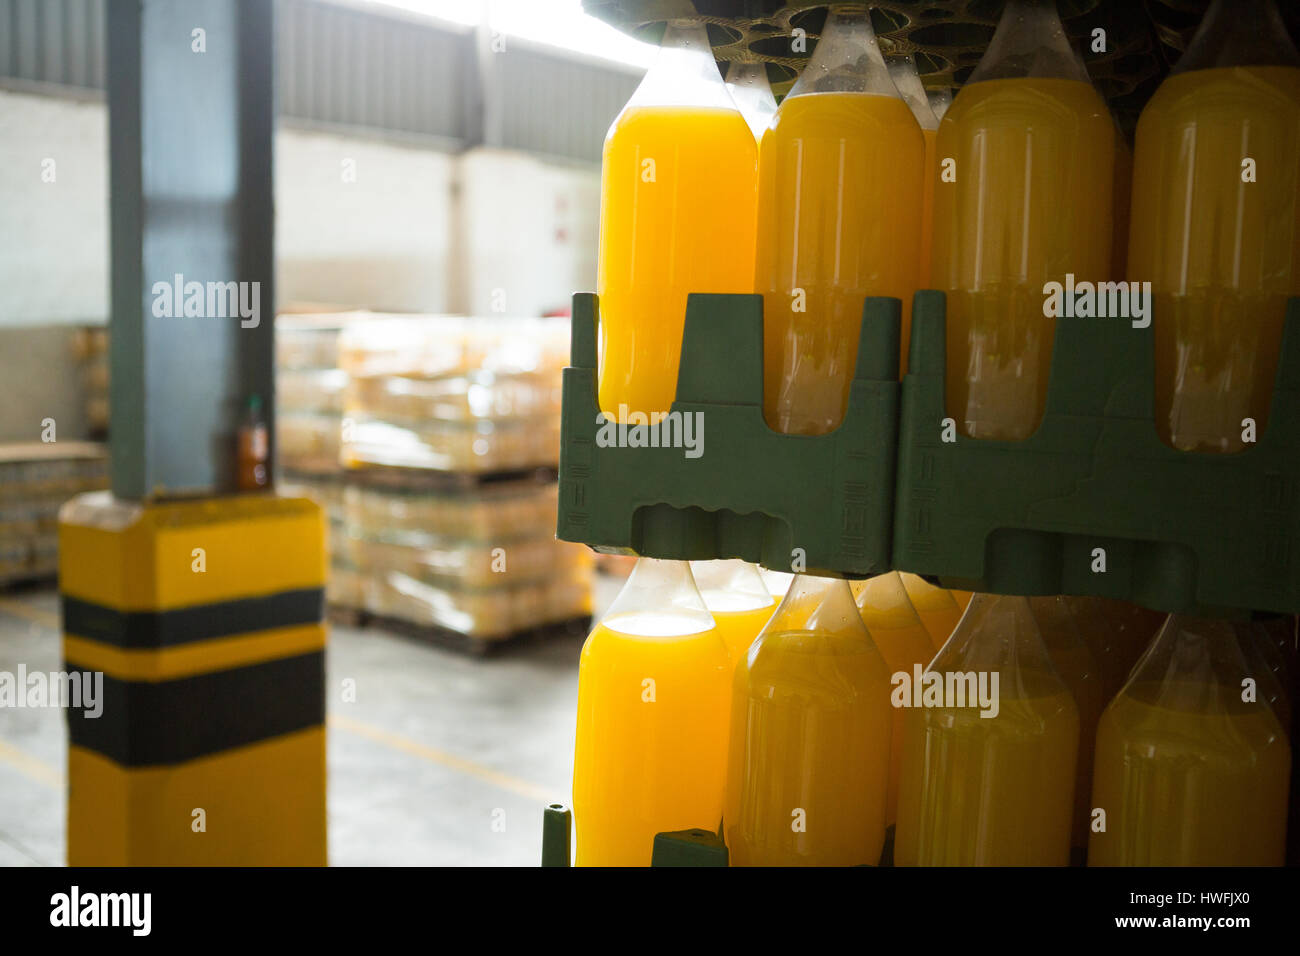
[{"x": 436, "y": 194}]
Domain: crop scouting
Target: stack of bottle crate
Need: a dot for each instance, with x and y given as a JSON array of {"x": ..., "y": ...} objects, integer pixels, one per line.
[
  {"x": 36, "y": 478},
  {"x": 309, "y": 421},
  {"x": 450, "y": 442}
]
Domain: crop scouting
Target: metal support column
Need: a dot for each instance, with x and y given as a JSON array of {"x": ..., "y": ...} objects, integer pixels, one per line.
[{"x": 191, "y": 111}]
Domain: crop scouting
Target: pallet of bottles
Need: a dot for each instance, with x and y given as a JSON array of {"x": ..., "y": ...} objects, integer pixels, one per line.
[
  {"x": 1091, "y": 503},
  {"x": 469, "y": 561},
  {"x": 36, "y": 478}
]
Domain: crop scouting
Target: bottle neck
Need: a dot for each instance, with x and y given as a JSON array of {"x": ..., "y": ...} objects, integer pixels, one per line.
[
  {"x": 1030, "y": 41},
  {"x": 684, "y": 72},
  {"x": 847, "y": 58},
  {"x": 1240, "y": 33}
]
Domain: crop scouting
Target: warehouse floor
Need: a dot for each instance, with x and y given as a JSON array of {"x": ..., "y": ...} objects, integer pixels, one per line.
[{"x": 442, "y": 759}]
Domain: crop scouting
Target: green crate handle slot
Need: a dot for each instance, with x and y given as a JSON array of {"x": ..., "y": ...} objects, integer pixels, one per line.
[
  {"x": 753, "y": 493},
  {"x": 1181, "y": 531}
]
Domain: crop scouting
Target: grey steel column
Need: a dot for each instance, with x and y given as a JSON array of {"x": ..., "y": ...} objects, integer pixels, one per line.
[{"x": 190, "y": 146}]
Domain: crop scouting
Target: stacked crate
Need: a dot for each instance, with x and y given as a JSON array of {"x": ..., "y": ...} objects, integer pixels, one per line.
[
  {"x": 451, "y": 440},
  {"x": 36, "y": 478},
  {"x": 309, "y": 420}
]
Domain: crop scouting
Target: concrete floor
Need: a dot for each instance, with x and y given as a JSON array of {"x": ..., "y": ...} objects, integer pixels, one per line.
[{"x": 420, "y": 765}]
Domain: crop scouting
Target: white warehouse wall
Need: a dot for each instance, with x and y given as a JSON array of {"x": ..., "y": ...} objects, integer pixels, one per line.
[{"x": 359, "y": 222}]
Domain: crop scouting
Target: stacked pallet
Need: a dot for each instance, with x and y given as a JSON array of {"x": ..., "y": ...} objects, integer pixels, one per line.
[
  {"x": 433, "y": 442},
  {"x": 309, "y": 388},
  {"x": 36, "y": 478}
]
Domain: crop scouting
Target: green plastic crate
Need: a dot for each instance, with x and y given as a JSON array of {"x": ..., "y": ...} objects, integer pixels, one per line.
[
  {"x": 752, "y": 493},
  {"x": 1180, "y": 531}
]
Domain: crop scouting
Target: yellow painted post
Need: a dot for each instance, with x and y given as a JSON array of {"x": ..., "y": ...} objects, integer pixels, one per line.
[{"x": 205, "y": 618}]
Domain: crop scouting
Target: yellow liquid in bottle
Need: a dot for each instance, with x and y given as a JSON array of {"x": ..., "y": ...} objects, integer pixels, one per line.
[
  {"x": 988, "y": 791},
  {"x": 839, "y": 177},
  {"x": 648, "y": 758},
  {"x": 937, "y": 608},
  {"x": 1222, "y": 255},
  {"x": 676, "y": 216},
  {"x": 1182, "y": 788},
  {"x": 903, "y": 642},
  {"x": 810, "y": 733},
  {"x": 1031, "y": 201},
  {"x": 739, "y": 618}
]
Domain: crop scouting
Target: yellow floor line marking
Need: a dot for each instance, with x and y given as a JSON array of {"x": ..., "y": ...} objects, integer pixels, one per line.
[
  {"x": 30, "y": 766},
  {"x": 441, "y": 757},
  {"x": 29, "y": 613}
]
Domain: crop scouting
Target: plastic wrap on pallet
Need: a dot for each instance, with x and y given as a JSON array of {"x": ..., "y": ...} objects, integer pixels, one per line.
[
  {"x": 480, "y": 612},
  {"x": 474, "y": 447},
  {"x": 307, "y": 441},
  {"x": 315, "y": 390},
  {"x": 469, "y": 397},
  {"x": 436, "y": 346},
  {"x": 495, "y": 511},
  {"x": 35, "y": 480},
  {"x": 461, "y": 562}
]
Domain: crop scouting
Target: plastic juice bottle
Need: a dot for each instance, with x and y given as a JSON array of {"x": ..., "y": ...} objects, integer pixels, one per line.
[
  {"x": 1189, "y": 773},
  {"x": 904, "y": 643},
  {"x": 677, "y": 207},
  {"x": 1029, "y": 201},
  {"x": 651, "y": 742},
  {"x": 940, "y": 100},
  {"x": 749, "y": 88},
  {"x": 1269, "y": 668},
  {"x": 738, "y": 598},
  {"x": 778, "y": 582},
  {"x": 840, "y": 170},
  {"x": 937, "y": 608},
  {"x": 902, "y": 70},
  {"x": 809, "y": 759},
  {"x": 1077, "y": 668},
  {"x": 1220, "y": 242},
  {"x": 995, "y": 790}
]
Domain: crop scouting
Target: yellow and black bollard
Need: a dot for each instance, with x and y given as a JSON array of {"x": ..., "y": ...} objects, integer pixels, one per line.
[{"x": 205, "y": 619}]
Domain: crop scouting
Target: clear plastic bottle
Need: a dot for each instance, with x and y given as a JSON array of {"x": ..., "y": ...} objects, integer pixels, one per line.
[
  {"x": 1187, "y": 772},
  {"x": 738, "y": 598},
  {"x": 677, "y": 215},
  {"x": 904, "y": 643},
  {"x": 809, "y": 759},
  {"x": 752, "y": 92},
  {"x": 651, "y": 743},
  {"x": 1216, "y": 223},
  {"x": 937, "y": 607},
  {"x": 940, "y": 100},
  {"x": 991, "y": 790},
  {"x": 1029, "y": 201},
  {"x": 902, "y": 70},
  {"x": 1077, "y": 667},
  {"x": 840, "y": 170},
  {"x": 778, "y": 582}
]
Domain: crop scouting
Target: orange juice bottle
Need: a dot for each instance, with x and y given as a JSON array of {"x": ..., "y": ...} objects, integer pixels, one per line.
[
  {"x": 904, "y": 643},
  {"x": 651, "y": 745},
  {"x": 747, "y": 83},
  {"x": 677, "y": 207},
  {"x": 809, "y": 758},
  {"x": 994, "y": 790},
  {"x": 1190, "y": 769},
  {"x": 1028, "y": 201},
  {"x": 1216, "y": 223},
  {"x": 1077, "y": 668},
  {"x": 738, "y": 598},
  {"x": 840, "y": 170},
  {"x": 778, "y": 583},
  {"x": 938, "y": 609},
  {"x": 940, "y": 100},
  {"x": 902, "y": 70}
]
